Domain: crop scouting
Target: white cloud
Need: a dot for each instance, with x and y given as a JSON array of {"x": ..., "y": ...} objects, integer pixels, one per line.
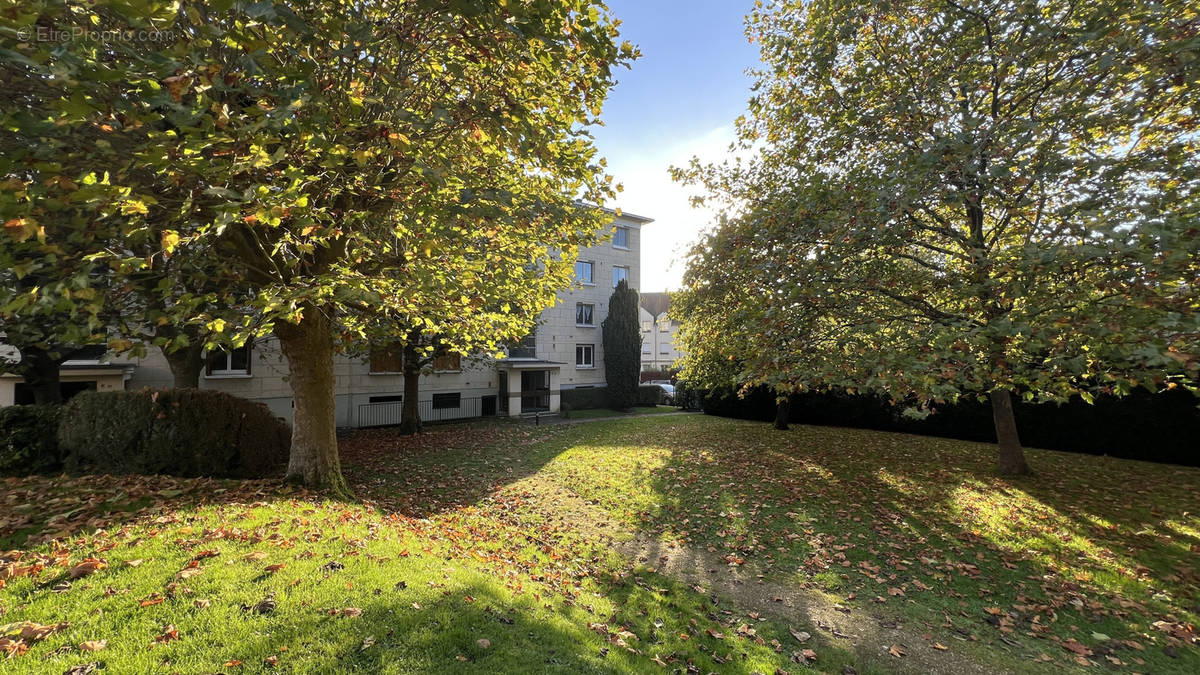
[{"x": 649, "y": 191}]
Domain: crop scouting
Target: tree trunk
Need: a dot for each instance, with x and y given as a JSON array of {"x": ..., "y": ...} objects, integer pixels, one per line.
[
  {"x": 308, "y": 347},
  {"x": 41, "y": 373},
  {"x": 1011, "y": 460},
  {"x": 410, "y": 414},
  {"x": 186, "y": 365},
  {"x": 783, "y": 407}
]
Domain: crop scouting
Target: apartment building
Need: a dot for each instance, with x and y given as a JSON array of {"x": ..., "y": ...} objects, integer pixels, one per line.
[
  {"x": 659, "y": 331},
  {"x": 564, "y": 351}
]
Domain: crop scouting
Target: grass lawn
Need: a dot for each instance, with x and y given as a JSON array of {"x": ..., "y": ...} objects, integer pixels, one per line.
[
  {"x": 592, "y": 413},
  {"x": 524, "y": 549}
]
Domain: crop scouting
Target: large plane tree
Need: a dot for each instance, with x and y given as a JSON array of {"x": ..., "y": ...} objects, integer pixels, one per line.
[
  {"x": 949, "y": 199},
  {"x": 337, "y": 161}
]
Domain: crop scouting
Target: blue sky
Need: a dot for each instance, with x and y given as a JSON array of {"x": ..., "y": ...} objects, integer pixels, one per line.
[{"x": 680, "y": 99}]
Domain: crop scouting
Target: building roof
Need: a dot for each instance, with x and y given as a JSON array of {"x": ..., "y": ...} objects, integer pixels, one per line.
[
  {"x": 641, "y": 220},
  {"x": 656, "y": 303}
]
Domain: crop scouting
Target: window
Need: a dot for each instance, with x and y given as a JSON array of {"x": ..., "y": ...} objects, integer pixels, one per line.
[
  {"x": 584, "y": 355},
  {"x": 390, "y": 398},
  {"x": 621, "y": 237},
  {"x": 387, "y": 358},
  {"x": 447, "y": 363},
  {"x": 229, "y": 361},
  {"x": 664, "y": 325},
  {"x": 646, "y": 326},
  {"x": 584, "y": 314},
  {"x": 664, "y": 348},
  {"x": 645, "y": 347},
  {"x": 444, "y": 401},
  {"x": 527, "y": 349},
  {"x": 620, "y": 274},
  {"x": 583, "y": 271}
]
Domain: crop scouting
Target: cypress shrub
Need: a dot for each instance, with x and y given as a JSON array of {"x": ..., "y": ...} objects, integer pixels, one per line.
[
  {"x": 27, "y": 439},
  {"x": 178, "y": 432},
  {"x": 622, "y": 347}
]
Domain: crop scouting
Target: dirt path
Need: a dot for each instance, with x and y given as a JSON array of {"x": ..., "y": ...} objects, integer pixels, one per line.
[{"x": 870, "y": 637}]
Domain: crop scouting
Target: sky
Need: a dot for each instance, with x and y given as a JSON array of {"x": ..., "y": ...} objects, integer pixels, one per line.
[{"x": 678, "y": 101}]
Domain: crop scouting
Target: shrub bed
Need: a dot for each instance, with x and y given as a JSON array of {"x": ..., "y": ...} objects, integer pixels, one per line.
[
  {"x": 178, "y": 432},
  {"x": 598, "y": 397},
  {"x": 27, "y": 439}
]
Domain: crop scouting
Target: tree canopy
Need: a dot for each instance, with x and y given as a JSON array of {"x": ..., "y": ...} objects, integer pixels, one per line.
[
  {"x": 622, "y": 337},
  {"x": 945, "y": 199},
  {"x": 337, "y": 161}
]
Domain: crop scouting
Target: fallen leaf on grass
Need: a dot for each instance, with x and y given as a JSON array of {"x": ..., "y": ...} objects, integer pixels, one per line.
[
  {"x": 271, "y": 569},
  {"x": 83, "y": 669},
  {"x": 232, "y": 663},
  {"x": 202, "y": 603},
  {"x": 93, "y": 645},
  {"x": 135, "y": 562},
  {"x": 939, "y": 646},
  {"x": 897, "y": 651},
  {"x": 1074, "y": 646},
  {"x": 367, "y": 643},
  {"x": 255, "y": 556},
  {"x": 86, "y": 567},
  {"x": 800, "y": 636},
  {"x": 351, "y": 612},
  {"x": 169, "y": 633}
]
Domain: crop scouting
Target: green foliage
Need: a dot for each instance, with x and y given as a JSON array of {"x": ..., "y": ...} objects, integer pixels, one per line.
[
  {"x": 943, "y": 200},
  {"x": 27, "y": 439},
  {"x": 179, "y": 432},
  {"x": 368, "y": 168},
  {"x": 622, "y": 347},
  {"x": 649, "y": 395},
  {"x": 585, "y": 399}
]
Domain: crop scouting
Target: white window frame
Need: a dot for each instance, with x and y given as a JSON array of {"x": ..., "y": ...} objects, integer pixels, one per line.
[
  {"x": 229, "y": 373},
  {"x": 615, "y": 279},
  {"x": 585, "y": 350},
  {"x": 578, "y": 307},
  {"x": 625, "y": 246},
  {"x": 664, "y": 348},
  {"x": 591, "y": 272},
  {"x": 646, "y": 348}
]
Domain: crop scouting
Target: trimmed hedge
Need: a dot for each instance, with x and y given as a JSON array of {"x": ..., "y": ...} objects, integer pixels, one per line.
[
  {"x": 178, "y": 432},
  {"x": 583, "y": 399},
  {"x": 649, "y": 395},
  {"x": 27, "y": 439},
  {"x": 1155, "y": 427},
  {"x": 598, "y": 397}
]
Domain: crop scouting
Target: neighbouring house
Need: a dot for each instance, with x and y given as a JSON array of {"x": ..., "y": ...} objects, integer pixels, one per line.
[
  {"x": 565, "y": 351},
  {"x": 659, "y": 330}
]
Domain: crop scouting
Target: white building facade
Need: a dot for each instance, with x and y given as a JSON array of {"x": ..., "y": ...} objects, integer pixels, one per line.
[
  {"x": 564, "y": 351},
  {"x": 660, "y": 331}
]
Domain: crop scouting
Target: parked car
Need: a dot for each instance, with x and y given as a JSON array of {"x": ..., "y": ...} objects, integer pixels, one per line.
[{"x": 668, "y": 397}]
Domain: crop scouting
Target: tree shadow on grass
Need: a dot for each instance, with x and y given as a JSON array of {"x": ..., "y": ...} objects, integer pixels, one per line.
[{"x": 868, "y": 512}]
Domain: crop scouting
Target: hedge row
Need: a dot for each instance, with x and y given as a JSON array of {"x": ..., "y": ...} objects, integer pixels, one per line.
[
  {"x": 1156, "y": 427},
  {"x": 179, "y": 432},
  {"x": 27, "y": 439},
  {"x": 598, "y": 397}
]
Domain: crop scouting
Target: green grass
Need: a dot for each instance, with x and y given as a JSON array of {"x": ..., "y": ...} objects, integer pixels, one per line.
[
  {"x": 593, "y": 413},
  {"x": 452, "y": 544}
]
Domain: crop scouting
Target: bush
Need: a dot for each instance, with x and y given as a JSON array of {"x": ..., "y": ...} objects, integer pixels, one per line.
[
  {"x": 585, "y": 398},
  {"x": 179, "y": 432},
  {"x": 27, "y": 439},
  {"x": 649, "y": 395}
]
